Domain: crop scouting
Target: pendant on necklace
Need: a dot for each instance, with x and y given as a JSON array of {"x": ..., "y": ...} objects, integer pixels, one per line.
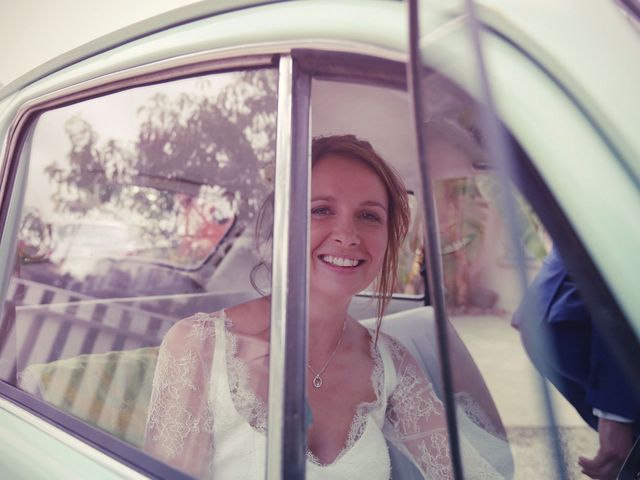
[{"x": 317, "y": 381}]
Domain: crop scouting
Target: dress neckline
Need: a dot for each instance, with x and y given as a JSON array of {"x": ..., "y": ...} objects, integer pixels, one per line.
[{"x": 255, "y": 411}]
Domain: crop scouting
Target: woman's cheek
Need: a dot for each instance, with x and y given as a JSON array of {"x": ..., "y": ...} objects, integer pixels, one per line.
[
  {"x": 383, "y": 244},
  {"x": 315, "y": 235}
]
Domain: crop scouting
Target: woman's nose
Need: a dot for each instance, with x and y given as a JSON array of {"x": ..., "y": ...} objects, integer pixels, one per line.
[{"x": 345, "y": 233}]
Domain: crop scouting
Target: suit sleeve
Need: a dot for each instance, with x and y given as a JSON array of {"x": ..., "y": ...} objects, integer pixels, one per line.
[
  {"x": 609, "y": 389},
  {"x": 561, "y": 307}
]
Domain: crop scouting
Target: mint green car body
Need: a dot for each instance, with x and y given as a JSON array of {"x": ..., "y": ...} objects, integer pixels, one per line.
[{"x": 558, "y": 71}]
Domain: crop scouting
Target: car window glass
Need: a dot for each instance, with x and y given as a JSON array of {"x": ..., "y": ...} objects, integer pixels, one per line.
[
  {"x": 482, "y": 290},
  {"x": 140, "y": 210}
]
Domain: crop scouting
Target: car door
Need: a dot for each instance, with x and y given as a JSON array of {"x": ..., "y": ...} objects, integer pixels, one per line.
[
  {"x": 64, "y": 305},
  {"x": 509, "y": 183}
]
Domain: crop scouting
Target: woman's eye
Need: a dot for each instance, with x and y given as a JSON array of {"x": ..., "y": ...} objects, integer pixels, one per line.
[
  {"x": 370, "y": 216},
  {"x": 320, "y": 211}
]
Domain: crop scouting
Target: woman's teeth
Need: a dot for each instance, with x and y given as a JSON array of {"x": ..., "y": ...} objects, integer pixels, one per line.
[{"x": 339, "y": 261}]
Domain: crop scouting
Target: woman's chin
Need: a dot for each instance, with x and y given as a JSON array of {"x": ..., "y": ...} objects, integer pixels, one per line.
[
  {"x": 337, "y": 285},
  {"x": 335, "y": 293}
]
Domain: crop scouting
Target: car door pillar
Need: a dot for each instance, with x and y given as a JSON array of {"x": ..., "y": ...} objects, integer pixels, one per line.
[{"x": 286, "y": 440}]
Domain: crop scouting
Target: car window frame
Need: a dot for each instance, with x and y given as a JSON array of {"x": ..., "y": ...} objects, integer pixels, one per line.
[
  {"x": 286, "y": 435},
  {"x": 12, "y": 178}
]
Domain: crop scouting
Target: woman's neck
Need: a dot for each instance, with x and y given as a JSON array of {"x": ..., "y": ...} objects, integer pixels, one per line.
[{"x": 327, "y": 319}]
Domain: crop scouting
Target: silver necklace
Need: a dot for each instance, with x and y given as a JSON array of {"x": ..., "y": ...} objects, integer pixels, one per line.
[{"x": 317, "y": 379}]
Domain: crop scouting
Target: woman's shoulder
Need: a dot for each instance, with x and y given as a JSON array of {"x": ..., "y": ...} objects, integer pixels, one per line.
[
  {"x": 193, "y": 331},
  {"x": 250, "y": 318}
]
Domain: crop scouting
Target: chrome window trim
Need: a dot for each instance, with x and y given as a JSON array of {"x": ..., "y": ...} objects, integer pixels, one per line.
[
  {"x": 281, "y": 220},
  {"x": 286, "y": 436},
  {"x": 65, "y": 438}
]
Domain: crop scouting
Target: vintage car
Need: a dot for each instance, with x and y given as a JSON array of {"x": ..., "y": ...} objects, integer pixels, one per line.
[{"x": 135, "y": 169}]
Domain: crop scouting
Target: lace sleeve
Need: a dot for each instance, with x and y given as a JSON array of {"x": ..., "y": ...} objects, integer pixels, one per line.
[
  {"x": 416, "y": 424},
  {"x": 415, "y": 419},
  {"x": 180, "y": 423}
]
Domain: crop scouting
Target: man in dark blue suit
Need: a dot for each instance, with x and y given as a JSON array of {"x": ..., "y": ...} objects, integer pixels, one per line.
[{"x": 576, "y": 360}]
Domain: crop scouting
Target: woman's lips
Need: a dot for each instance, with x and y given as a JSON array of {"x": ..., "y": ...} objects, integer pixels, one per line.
[{"x": 341, "y": 262}]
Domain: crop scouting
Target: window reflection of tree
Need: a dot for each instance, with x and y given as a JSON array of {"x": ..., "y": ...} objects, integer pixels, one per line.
[{"x": 194, "y": 166}]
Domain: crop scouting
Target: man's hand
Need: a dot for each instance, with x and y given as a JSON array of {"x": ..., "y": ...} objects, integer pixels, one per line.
[{"x": 616, "y": 440}]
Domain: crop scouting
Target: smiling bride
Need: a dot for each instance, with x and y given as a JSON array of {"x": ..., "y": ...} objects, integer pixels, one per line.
[{"x": 208, "y": 408}]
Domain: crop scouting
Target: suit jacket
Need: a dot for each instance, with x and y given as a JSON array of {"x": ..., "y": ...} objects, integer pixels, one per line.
[{"x": 581, "y": 356}]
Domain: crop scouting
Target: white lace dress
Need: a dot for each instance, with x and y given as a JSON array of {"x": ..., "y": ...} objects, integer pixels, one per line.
[{"x": 205, "y": 419}]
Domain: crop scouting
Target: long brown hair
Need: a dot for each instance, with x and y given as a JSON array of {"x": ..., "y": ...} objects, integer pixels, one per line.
[{"x": 398, "y": 216}]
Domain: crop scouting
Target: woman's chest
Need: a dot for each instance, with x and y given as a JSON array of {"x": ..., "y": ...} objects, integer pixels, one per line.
[
  {"x": 348, "y": 410},
  {"x": 351, "y": 389}
]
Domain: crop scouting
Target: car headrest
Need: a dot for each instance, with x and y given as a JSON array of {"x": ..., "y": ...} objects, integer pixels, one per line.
[{"x": 415, "y": 329}]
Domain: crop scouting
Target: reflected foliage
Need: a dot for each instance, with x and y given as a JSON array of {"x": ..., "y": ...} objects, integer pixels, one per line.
[{"x": 192, "y": 168}]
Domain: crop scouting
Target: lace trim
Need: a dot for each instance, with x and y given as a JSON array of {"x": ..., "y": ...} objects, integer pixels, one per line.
[
  {"x": 414, "y": 417},
  {"x": 434, "y": 455},
  {"x": 171, "y": 419},
  {"x": 202, "y": 327},
  {"x": 396, "y": 349},
  {"x": 315, "y": 460},
  {"x": 359, "y": 421},
  {"x": 246, "y": 402},
  {"x": 178, "y": 422},
  {"x": 414, "y": 401},
  {"x": 253, "y": 410}
]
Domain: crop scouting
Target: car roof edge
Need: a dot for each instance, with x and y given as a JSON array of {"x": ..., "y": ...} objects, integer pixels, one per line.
[{"x": 135, "y": 31}]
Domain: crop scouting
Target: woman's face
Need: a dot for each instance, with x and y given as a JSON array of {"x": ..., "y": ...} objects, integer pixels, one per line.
[{"x": 349, "y": 232}]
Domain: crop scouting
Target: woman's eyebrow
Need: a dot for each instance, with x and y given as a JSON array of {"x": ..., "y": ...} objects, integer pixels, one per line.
[
  {"x": 366, "y": 203},
  {"x": 373, "y": 203},
  {"x": 325, "y": 198}
]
